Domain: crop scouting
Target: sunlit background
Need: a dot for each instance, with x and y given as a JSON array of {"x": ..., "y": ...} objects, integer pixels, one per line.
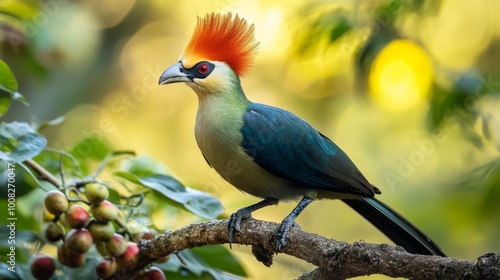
[{"x": 409, "y": 89}]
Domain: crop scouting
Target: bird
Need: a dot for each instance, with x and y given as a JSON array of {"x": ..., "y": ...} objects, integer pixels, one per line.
[{"x": 266, "y": 151}]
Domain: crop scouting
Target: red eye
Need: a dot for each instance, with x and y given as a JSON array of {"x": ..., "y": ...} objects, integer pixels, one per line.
[{"x": 203, "y": 68}]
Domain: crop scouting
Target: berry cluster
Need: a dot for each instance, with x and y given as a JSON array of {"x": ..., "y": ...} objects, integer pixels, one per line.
[{"x": 76, "y": 226}]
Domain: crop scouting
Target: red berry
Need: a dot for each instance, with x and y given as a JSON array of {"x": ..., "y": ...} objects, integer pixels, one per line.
[
  {"x": 129, "y": 259},
  {"x": 77, "y": 216},
  {"x": 117, "y": 245},
  {"x": 106, "y": 268},
  {"x": 78, "y": 240},
  {"x": 42, "y": 266},
  {"x": 154, "y": 273},
  {"x": 68, "y": 258},
  {"x": 56, "y": 202},
  {"x": 105, "y": 211}
]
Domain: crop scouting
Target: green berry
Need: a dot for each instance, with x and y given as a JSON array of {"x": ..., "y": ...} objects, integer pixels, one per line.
[
  {"x": 96, "y": 193},
  {"x": 53, "y": 232},
  {"x": 56, "y": 202},
  {"x": 101, "y": 231}
]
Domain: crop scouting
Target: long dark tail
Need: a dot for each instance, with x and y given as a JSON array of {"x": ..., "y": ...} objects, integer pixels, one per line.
[{"x": 394, "y": 226}]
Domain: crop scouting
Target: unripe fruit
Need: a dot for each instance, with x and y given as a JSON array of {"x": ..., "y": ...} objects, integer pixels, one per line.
[
  {"x": 42, "y": 266},
  {"x": 62, "y": 221},
  {"x": 117, "y": 245},
  {"x": 106, "y": 268},
  {"x": 154, "y": 273},
  {"x": 139, "y": 231},
  {"x": 129, "y": 259},
  {"x": 85, "y": 206},
  {"x": 68, "y": 258},
  {"x": 56, "y": 202},
  {"x": 47, "y": 216},
  {"x": 78, "y": 240},
  {"x": 53, "y": 232},
  {"x": 76, "y": 216},
  {"x": 101, "y": 248},
  {"x": 96, "y": 193},
  {"x": 101, "y": 231},
  {"x": 104, "y": 211}
]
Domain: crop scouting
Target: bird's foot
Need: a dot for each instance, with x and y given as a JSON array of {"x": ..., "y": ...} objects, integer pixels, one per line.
[
  {"x": 233, "y": 225},
  {"x": 283, "y": 229}
]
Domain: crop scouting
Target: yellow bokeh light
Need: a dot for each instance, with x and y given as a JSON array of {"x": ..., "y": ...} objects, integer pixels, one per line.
[{"x": 401, "y": 75}]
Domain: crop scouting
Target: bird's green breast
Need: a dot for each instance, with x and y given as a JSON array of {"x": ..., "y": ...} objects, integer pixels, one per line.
[{"x": 218, "y": 133}]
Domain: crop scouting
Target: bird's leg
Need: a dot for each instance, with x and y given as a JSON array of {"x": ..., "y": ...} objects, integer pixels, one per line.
[
  {"x": 289, "y": 221},
  {"x": 234, "y": 222}
]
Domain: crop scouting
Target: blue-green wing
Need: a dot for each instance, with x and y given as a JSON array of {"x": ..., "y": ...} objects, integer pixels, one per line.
[{"x": 287, "y": 146}]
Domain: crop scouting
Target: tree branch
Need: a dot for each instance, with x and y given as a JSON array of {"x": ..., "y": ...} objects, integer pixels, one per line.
[
  {"x": 43, "y": 173},
  {"x": 335, "y": 259}
]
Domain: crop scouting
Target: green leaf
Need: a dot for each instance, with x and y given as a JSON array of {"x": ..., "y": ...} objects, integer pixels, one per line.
[
  {"x": 5, "y": 100},
  {"x": 196, "y": 268},
  {"x": 17, "y": 9},
  {"x": 202, "y": 204},
  {"x": 7, "y": 80},
  {"x": 88, "y": 150},
  {"x": 197, "y": 202},
  {"x": 195, "y": 265},
  {"x": 91, "y": 148},
  {"x": 218, "y": 256},
  {"x": 114, "y": 196},
  {"x": 8, "y": 89},
  {"x": 145, "y": 166},
  {"x": 19, "y": 142},
  {"x": 339, "y": 28}
]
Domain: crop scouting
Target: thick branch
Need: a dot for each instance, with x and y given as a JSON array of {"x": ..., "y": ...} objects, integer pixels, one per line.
[{"x": 335, "y": 259}]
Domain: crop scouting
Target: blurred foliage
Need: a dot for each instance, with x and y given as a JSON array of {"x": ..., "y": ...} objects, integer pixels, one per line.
[
  {"x": 463, "y": 102},
  {"x": 379, "y": 77}
]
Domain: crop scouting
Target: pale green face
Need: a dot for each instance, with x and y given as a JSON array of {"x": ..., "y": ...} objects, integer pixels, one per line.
[{"x": 204, "y": 77}]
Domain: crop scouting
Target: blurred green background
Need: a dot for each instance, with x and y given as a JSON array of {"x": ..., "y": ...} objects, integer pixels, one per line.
[{"x": 409, "y": 89}]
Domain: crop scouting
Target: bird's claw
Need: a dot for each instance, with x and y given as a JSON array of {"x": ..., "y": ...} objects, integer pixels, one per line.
[
  {"x": 233, "y": 225},
  {"x": 282, "y": 233}
]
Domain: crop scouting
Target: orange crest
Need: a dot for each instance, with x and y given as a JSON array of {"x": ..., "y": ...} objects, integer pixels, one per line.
[{"x": 223, "y": 38}]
